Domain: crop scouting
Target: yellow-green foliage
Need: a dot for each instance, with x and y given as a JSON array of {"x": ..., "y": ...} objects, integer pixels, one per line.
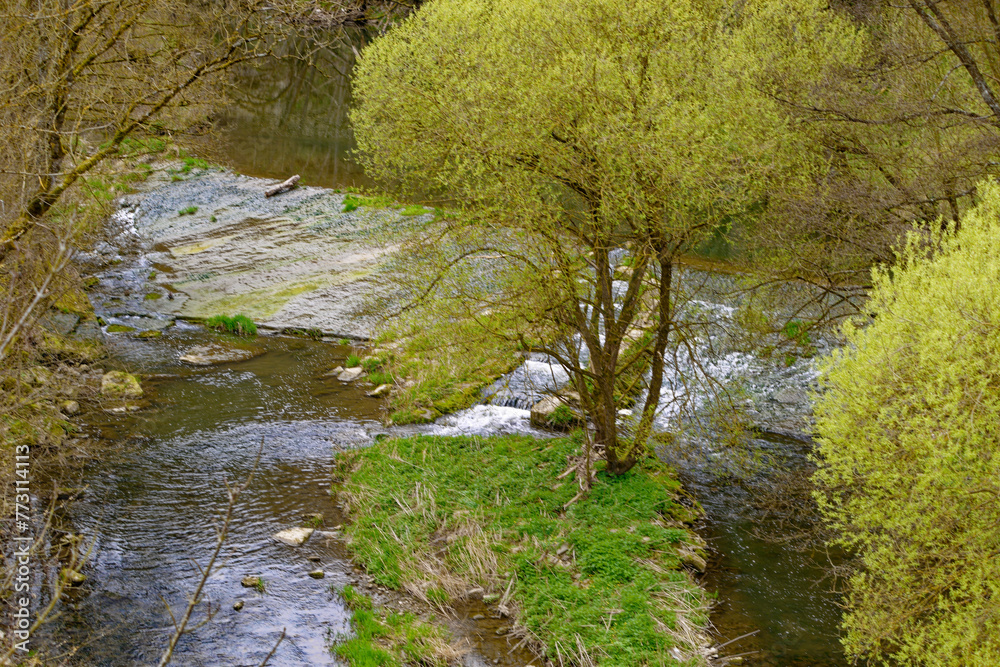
[
  {"x": 567, "y": 129},
  {"x": 909, "y": 429}
]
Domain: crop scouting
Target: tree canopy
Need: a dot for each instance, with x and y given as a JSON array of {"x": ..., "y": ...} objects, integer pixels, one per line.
[
  {"x": 908, "y": 431},
  {"x": 575, "y": 133}
]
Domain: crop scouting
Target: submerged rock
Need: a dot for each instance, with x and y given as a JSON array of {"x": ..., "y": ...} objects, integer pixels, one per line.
[
  {"x": 294, "y": 537},
  {"x": 72, "y": 577},
  {"x": 118, "y": 384},
  {"x": 219, "y": 353}
]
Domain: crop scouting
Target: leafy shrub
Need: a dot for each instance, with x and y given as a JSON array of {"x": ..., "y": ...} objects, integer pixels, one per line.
[{"x": 908, "y": 442}]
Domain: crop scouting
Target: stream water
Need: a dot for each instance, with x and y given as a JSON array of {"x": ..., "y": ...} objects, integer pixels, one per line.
[{"x": 153, "y": 501}]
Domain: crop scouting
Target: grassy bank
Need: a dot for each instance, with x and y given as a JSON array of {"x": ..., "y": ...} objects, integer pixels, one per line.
[
  {"x": 387, "y": 639},
  {"x": 596, "y": 580}
]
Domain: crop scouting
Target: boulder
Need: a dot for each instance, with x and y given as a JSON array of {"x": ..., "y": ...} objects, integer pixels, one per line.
[
  {"x": 118, "y": 384},
  {"x": 70, "y": 408},
  {"x": 60, "y": 322},
  {"x": 294, "y": 537},
  {"x": 351, "y": 374},
  {"x": 219, "y": 353},
  {"x": 555, "y": 412}
]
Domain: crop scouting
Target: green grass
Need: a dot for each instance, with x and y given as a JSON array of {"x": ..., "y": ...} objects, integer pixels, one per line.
[
  {"x": 442, "y": 515},
  {"x": 381, "y": 377},
  {"x": 443, "y": 378},
  {"x": 237, "y": 325},
  {"x": 353, "y": 202},
  {"x": 387, "y": 639},
  {"x": 191, "y": 163},
  {"x": 352, "y": 361},
  {"x": 190, "y": 210},
  {"x": 415, "y": 209}
]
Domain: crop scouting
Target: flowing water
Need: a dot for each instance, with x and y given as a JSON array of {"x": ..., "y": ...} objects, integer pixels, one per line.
[{"x": 154, "y": 501}]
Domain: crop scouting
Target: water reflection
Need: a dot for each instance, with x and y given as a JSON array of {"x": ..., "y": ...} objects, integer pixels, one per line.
[{"x": 289, "y": 114}]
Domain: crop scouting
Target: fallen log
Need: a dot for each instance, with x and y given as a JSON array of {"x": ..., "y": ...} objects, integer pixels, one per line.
[{"x": 282, "y": 187}]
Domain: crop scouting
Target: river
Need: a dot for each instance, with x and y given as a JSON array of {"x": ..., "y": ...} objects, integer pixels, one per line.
[{"x": 153, "y": 499}]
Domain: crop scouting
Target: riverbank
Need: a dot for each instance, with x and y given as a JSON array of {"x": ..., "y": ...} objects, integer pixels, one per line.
[{"x": 602, "y": 576}]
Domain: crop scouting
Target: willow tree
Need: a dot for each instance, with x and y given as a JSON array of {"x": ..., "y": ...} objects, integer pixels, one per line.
[
  {"x": 572, "y": 133},
  {"x": 908, "y": 434}
]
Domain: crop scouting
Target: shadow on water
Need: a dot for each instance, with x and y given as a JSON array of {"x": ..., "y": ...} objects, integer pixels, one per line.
[{"x": 770, "y": 570}]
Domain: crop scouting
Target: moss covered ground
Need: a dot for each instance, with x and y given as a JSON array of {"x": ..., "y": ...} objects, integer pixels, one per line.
[{"x": 591, "y": 579}]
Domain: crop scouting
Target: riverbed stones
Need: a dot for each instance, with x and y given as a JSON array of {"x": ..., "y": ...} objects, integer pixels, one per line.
[
  {"x": 69, "y": 408},
  {"x": 119, "y": 384},
  {"x": 317, "y": 574},
  {"x": 219, "y": 353},
  {"x": 295, "y": 261},
  {"x": 252, "y": 581},
  {"x": 351, "y": 374},
  {"x": 294, "y": 537}
]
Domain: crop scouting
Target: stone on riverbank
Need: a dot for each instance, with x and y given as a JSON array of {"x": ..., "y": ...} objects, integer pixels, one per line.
[
  {"x": 118, "y": 384},
  {"x": 294, "y": 537},
  {"x": 351, "y": 374},
  {"x": 380, "y": 391},
  {"x": 555, "y": 412},
  {"x": 219, "y": 353}
]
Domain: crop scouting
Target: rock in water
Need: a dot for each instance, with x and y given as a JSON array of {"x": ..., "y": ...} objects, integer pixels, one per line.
[
  {"x": 380, "y": 390},
  {"x": 317, "y": 574},
  {"x": 351, "y": 374},
  {"x": 238, "y": 605},
  {"x": 294, "y": 537},
  {"x": 219, "y": 353},
  {"x": 117, "y": 384}
]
